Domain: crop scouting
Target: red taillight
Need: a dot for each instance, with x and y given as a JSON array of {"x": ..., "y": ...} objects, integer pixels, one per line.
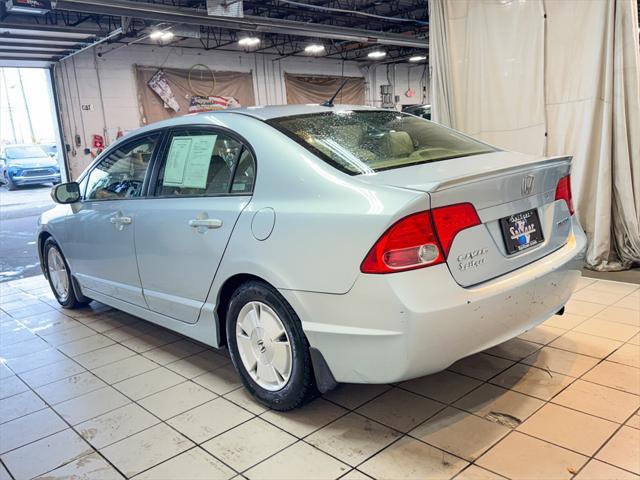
[
  {"x": 563, "y": 192},
  {"x": 410, "y": 243},
  {"x": 451, "y": 220},
  {"x": 417, "y": 241}
]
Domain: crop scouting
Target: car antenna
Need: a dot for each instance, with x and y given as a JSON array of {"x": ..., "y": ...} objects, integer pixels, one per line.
[{"x": 329, "y": 103}]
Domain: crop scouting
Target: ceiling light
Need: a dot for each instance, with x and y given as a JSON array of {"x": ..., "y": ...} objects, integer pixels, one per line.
[
  {"x": 314, "y": 48},
  {"x": 249, "y": 41},
  {"x": 417, "y": 58},
  {"x": 26, "y": 8},
  {"x": 166, "y": 36},
  {"x": 156, "y": 34},
  {"x": 377, "y": 54}
]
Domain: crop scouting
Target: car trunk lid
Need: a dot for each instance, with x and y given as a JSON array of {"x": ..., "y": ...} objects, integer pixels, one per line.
[{"x": 500, "y": 185}]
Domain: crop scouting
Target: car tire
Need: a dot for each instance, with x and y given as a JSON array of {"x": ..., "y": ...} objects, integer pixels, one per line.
[
  {"x": 9, "y": 183},
  {"x": 283, "y": 376},
  {"x": 59, "y": 276}
]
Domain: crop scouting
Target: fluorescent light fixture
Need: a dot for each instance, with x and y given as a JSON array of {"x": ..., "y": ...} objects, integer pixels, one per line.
[
  {"x": 33, "y": 11},
  {"x": 166, "y": 36},
  {"x": 417, "y": 58},
  {"x": 156, "y": 34},
  {"x": 249, "y": 41},
  {"x": 314, "y": 48},
  {"x": 34, "y": 7},
  {"x": 377, "y": 54}
]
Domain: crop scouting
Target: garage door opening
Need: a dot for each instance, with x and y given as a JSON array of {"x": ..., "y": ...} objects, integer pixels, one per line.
[{"x": 31, "y": 161}]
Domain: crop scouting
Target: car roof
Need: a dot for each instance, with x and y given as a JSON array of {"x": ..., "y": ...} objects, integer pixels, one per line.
[
  {"x": 276, "y": 111},
  {"x": 262, "y": 113},
  {"x": 258, "y": 112}
]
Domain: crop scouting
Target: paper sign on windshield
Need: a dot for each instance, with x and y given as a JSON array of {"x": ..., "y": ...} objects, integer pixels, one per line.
[{"x": 188, "y": 161}]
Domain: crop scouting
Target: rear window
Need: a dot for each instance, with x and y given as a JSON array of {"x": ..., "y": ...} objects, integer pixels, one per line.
[{"x": 361, "y": 142}]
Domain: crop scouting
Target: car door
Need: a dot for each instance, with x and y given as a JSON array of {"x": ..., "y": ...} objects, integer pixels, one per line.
[
  {"x": 101, "y": 245},
  {"x": 202, "y": 182}
]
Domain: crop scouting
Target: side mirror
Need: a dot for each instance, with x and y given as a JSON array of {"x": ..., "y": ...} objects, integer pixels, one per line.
[{"x": 66, "y": 193}]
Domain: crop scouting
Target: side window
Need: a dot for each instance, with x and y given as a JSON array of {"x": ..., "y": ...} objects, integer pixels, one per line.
[
  {"x": 120, "y": 175},
  {"x": 205, "y": 162},
  {"x": 245, "y": 173}
]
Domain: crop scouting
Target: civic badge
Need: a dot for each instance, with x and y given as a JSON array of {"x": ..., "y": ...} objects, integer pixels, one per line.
[{"x": 527, "y": 185}]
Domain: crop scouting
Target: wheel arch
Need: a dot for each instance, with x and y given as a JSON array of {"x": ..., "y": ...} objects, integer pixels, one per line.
[
  {"x": 323, "y": 376},
  {"x": 229, "y": 286},
  {"x": 42, "y": 238}
]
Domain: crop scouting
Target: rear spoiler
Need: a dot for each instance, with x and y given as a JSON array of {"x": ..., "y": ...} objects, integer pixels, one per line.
[{"x": 533, "y": 165}]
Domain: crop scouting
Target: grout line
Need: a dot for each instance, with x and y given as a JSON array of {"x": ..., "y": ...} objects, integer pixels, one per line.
[{"x": 7, "y": 470}]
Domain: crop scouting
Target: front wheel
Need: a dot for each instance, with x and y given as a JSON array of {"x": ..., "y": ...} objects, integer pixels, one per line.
[
  {"x": 59, "y": 277},
  {"x": 9, "y": 183},
  {"x": 268, "y": 347}
]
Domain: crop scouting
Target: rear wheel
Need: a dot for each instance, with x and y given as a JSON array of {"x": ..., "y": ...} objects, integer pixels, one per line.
[
  {"x": 268, "y": 347},
  {"x": 59, "y": 277}
]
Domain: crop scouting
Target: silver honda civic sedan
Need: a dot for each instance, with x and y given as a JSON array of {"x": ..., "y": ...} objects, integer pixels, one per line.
[{"x": 319, "y": 244}]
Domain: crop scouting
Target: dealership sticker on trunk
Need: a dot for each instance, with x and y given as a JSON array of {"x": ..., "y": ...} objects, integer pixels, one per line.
[{"x": 521, "y": 231}]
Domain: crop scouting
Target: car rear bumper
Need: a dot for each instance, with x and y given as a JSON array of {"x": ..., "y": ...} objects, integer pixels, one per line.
[
  {"x": 33, "y": 180},
  {"x": 389, "y": 328}
]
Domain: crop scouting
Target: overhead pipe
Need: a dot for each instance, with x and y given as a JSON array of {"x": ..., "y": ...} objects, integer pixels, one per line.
[
  {"x": 137, "y": 40},
  {"x": 115, "y": 33},
  {"x": 166, "y": 13}
]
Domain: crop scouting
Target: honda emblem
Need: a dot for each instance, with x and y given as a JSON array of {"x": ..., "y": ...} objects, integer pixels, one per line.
[{"x": 527, "y": 185}]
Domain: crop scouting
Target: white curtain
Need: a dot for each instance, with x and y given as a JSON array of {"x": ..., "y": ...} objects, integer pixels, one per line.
[
  {"x": 548, "y": 78},
  {"x": 441, "y": 94}
]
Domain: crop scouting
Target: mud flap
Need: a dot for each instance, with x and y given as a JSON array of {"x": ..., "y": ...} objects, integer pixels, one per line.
[{"x": 324, "y": 377}]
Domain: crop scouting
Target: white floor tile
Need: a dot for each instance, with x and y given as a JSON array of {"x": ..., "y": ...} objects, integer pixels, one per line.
[
  {"x": 29, "y": 428},
  {"x": 146, "y": 449},
  {"x": 116, "y": 425},
  {"x": 46, "y": 454}
]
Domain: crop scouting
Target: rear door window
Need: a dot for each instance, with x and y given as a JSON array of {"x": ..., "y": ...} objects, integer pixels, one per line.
[{"x": 205, "y": 162}]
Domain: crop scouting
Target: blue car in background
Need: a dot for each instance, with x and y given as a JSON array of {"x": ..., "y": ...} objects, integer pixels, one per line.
[{"x": 27, "y": 165}]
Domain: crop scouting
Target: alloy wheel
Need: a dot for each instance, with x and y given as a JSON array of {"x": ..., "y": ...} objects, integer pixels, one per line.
[{"x": 58, "y": 273}]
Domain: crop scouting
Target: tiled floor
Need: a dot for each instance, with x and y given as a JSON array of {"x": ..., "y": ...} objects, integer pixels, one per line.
[{"x": 99, "y": 394}]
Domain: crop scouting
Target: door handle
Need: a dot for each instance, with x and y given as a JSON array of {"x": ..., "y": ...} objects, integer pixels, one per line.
[
  {"x": 121, "y": 220},
  {"x": 205, "y": 223}
]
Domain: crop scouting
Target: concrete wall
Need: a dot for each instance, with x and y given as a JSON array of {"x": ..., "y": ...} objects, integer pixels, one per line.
[{"x": 107, "y": 83}]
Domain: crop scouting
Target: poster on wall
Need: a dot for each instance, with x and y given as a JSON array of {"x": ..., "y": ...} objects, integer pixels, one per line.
[
  {"x": 232, "y": 89},
  {"x": 198, "y": 104},
  {"x": 160, "y": 84}
]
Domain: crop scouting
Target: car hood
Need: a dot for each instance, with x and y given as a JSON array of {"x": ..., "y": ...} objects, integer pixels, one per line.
[{"x": 33, "y": 162}]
